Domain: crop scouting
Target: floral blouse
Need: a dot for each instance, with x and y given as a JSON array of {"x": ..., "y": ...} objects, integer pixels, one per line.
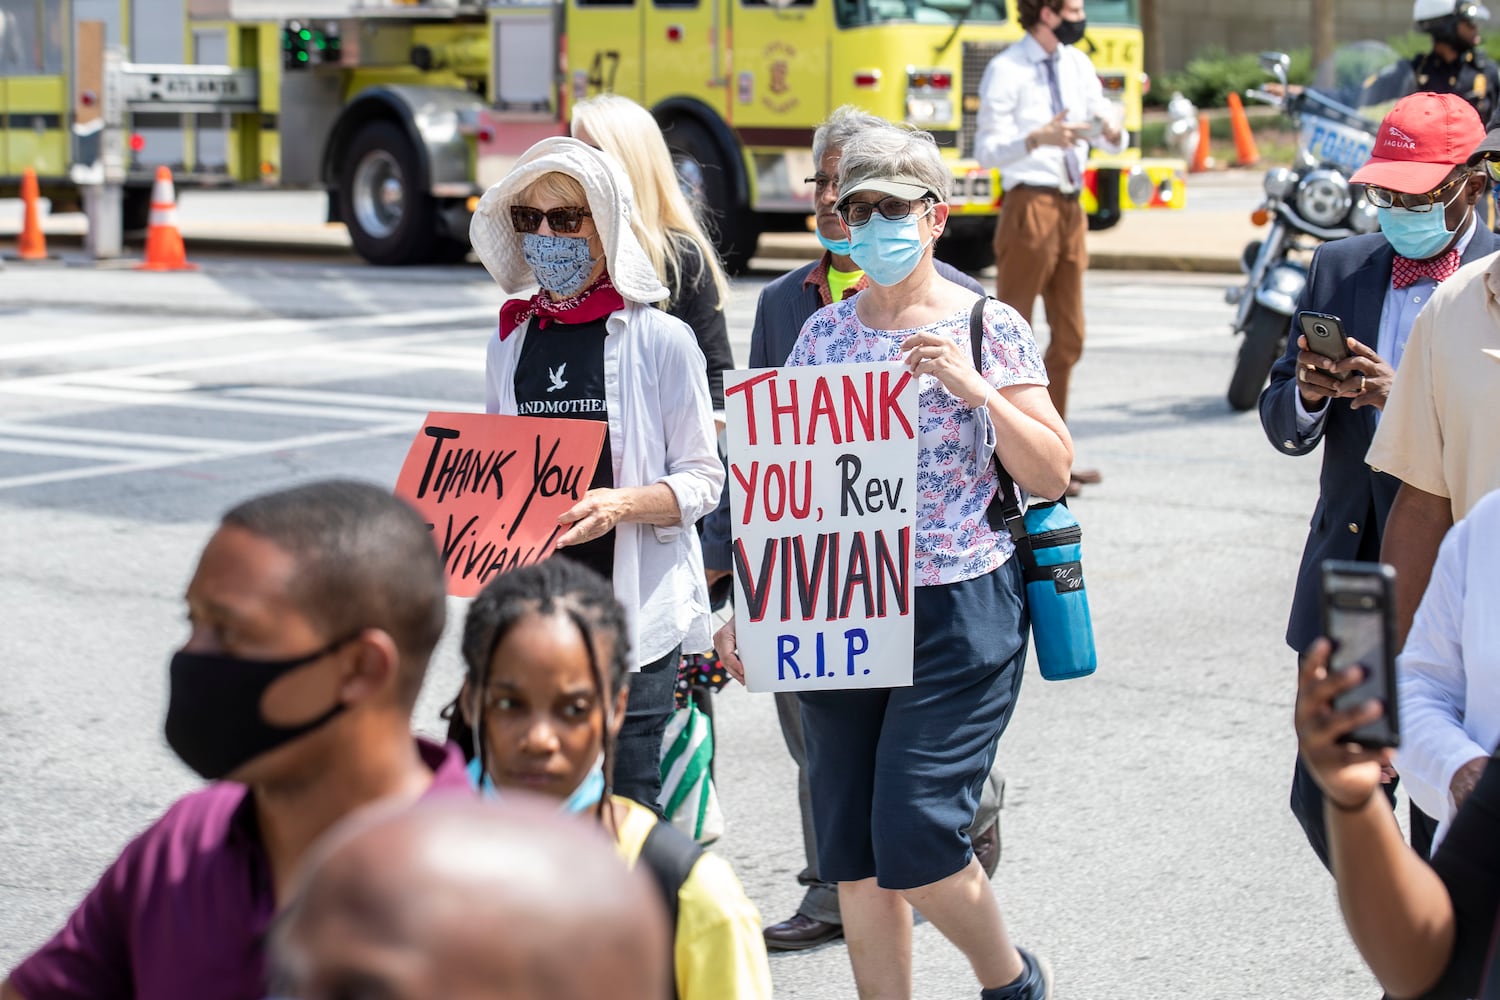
[{"x": 955, "y": 477}]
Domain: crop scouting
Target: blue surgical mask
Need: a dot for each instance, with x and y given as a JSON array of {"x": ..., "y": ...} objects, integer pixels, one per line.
[
  {"x": 1418, "y": 235},
  {"x": 888, "y": 249},
  {"x": 587, "y": 795},
  {"x": 562, "y": 264},
  {"x": 839, "y": 247}
]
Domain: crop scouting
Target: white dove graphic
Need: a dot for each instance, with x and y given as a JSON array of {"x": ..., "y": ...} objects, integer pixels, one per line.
[{"x": 556, "y": 375}]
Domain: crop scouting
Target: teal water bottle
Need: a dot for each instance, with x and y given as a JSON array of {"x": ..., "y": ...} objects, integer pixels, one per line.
[{"x": 1061, "y": 626}]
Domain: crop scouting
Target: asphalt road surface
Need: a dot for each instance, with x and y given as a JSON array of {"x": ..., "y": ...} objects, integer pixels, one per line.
[{"x": 1148, "y": 850}]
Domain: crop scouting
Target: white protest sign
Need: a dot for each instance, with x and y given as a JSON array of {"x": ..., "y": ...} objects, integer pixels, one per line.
[{"x": 823, "y": 498}]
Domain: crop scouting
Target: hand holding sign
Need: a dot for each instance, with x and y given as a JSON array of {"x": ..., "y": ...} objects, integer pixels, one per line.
[
  {"x": 598, "y": 512},
  {"x": 493, "y": 489}
]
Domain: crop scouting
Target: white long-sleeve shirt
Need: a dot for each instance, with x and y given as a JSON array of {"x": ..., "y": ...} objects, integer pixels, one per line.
[
  {"x": 661, "y": 430},
  {"x": 1449, "y": 672},
  {"x": 1015, "y": 99}
]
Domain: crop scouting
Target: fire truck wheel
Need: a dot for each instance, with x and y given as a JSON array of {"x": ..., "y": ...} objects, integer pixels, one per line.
[
  {"x": 389, "y": 220},
  {"x": 703, "y": 170}
]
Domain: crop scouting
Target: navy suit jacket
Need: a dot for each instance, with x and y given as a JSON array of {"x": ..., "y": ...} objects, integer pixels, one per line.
[{"x": 1349, "y": 279}]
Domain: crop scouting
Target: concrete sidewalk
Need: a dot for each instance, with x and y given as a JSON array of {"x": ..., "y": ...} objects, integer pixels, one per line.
[{"x": 1206, "y": 237}]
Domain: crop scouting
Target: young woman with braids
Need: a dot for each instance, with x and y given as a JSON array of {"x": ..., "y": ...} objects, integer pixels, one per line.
[{"x": 544, "y": 695}]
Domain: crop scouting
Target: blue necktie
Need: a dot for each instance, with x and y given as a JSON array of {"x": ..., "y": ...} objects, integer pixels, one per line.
[{"x": 1075, "y": 181}]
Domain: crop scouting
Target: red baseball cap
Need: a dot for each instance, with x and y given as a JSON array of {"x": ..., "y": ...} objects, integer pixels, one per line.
[{"x": 1420, "y": 142}]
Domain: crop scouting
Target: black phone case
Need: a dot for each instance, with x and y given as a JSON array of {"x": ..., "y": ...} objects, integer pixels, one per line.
[
  {"x": 1335, "y": 347},
  {"x": 1386, "y": 730}
]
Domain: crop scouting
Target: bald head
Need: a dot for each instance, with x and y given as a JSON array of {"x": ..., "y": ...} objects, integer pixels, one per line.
[{"x": 466, "y": 899}]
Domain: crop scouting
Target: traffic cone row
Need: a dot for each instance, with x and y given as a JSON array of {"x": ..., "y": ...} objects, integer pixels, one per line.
[{"x": 164, "y": 249}]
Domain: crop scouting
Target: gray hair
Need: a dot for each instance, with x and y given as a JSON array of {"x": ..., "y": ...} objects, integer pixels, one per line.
[
  {"x": 892, "y": 151},
  {"x": 845, "y": 123}
]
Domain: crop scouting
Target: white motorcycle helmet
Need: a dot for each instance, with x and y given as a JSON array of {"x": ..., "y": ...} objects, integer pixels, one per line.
[{"x": 1424, "y": 12}]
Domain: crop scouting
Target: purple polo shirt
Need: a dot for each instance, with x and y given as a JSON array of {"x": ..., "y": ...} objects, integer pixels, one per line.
[{"x": 184, "y": 910}]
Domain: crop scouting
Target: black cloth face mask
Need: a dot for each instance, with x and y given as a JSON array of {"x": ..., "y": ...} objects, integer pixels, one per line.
[
  {"x": 1071, "y": 32},
  {"x": 213, "y": 712}
]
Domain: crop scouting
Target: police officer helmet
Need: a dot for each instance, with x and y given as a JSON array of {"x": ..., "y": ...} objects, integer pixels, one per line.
[{"x": 1440, "y": 18}]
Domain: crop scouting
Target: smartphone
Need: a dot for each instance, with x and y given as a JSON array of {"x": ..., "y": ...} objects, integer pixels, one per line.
[
  {"x": 1094, "y": 127},
  {"x": 1359, "y": 608},
  {"x": 1325, "y": 335}
]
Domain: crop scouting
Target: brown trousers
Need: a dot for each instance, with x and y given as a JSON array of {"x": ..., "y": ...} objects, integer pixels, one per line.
[{"x": 1041, "y": 249}]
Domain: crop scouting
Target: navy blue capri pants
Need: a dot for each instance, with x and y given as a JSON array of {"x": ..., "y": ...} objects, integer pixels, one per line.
[{"x": 895, "y": 773}]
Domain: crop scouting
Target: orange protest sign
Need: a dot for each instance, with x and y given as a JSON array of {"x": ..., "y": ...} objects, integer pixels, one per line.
[{"x": 491, "y": 488}]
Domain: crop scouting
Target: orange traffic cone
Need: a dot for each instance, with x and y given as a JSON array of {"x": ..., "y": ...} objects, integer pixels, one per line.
[
  {"x": 1200, "y": 155},
  {"x": 164, "y": 249},
  {"x": 32, "y": 243},
  {"x": 1245, "y": 153}
]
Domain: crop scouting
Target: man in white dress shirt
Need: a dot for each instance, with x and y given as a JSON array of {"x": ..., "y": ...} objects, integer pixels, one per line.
[{"x": 1041, "y": 107}]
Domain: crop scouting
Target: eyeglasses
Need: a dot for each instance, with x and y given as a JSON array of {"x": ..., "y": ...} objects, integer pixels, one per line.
[
  {"x": 564, "y": 221},
  {"x": 821, "y": 182},
  {"x": 857, "y": 213},
  {"x": 1383, "y": 198}
]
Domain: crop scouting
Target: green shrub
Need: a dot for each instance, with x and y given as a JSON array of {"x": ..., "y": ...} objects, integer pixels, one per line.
[{"x": 1212, "y": 75}]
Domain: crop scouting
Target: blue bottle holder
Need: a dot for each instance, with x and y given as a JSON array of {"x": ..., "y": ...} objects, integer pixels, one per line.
[{"x": 1061, "y": 627}]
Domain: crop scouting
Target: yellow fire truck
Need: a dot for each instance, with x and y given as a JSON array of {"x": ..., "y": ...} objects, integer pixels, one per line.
[{"x": 406, "y": 111}]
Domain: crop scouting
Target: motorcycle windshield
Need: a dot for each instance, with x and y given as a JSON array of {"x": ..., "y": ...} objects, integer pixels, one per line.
[{"x": 1351, "y": 92}]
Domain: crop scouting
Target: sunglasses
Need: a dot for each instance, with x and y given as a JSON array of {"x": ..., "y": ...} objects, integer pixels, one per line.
[
  {"x": 1383, "y": 198},
  {"x": 563, "y": 221},
  {"x": 857, "y": 213}
]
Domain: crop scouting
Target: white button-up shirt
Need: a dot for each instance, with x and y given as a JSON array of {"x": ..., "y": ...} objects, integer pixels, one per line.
[
  {"x": 1015, "y": 99},
  {"x": 1449, "y": 672},
  {"x": 661, "y": 430}
]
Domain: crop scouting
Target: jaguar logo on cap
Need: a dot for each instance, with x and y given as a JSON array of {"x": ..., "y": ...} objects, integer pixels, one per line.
[{"x": 1396, "y": 138}]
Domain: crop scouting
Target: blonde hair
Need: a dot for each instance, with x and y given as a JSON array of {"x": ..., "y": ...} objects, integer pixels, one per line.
[
  {"x": 663, "y": 220},
  {"x": 557, "y": 185}
]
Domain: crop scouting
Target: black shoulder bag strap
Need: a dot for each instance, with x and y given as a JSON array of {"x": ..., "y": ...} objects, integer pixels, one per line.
[
  {"x": 1004, "y": 510},
  {"x": 669, "y": 854}
]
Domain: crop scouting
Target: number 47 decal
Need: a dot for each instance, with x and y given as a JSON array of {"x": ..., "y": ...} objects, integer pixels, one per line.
[{"x": 602, "y": 70}]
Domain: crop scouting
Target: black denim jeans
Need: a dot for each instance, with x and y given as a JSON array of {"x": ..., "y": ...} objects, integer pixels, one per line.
[{"x": 638, "y": 750}]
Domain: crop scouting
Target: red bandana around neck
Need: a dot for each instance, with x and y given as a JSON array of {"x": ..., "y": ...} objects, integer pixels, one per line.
[
  {"x": 594, "y": 302},
  {"x": 1407, "y": 272}
]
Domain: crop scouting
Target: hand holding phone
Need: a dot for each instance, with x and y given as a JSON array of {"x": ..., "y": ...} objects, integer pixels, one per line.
[
  {"x": 1359, "y": 619},
  {"x": 1326, "y": 338}
]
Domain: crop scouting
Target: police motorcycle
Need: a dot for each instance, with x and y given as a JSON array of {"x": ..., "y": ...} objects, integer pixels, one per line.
[{"x": 1312, "y": 201}]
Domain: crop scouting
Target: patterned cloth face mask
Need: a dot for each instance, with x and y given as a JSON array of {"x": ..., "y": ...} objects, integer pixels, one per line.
[{"x": 562, "y": 264}]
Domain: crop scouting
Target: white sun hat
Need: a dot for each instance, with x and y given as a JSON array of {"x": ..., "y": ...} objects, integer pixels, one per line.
[{"x": 610, "y": 198}]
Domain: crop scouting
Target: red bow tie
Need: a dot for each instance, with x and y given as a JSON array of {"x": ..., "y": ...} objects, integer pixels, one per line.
[{"x": 1408, "y": 272}]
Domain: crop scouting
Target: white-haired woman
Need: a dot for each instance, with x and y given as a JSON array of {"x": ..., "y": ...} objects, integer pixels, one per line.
[
  {"x": 589, "y": 345},
  {"x": 895, "y": 774}
]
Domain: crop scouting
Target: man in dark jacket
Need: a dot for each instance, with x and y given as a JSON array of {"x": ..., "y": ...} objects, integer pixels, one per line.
[
  {"x": 1375, "y": 284},
  {"x": 784, "y": 306}
]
